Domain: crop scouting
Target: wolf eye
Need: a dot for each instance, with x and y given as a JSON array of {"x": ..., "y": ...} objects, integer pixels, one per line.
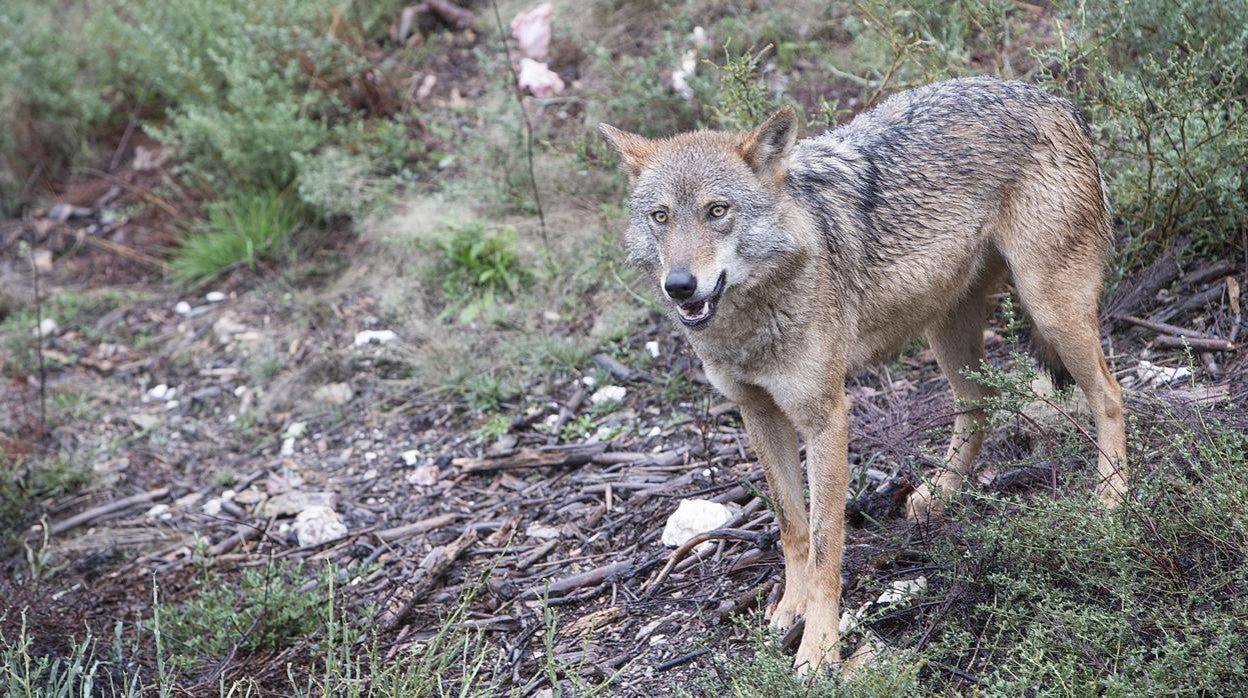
[
  {"x": 659, "y": 216},
  {"x": 718, "y": 211}
]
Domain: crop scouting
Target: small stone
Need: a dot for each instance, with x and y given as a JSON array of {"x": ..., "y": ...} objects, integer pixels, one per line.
[
  {"x": 608, "y": 393},
  {"x": 188, "y": 500},
  {"x": 43, "y": 260},
  {"x": 550, "y": 316},
  {"x": 334, "y": 394},
  {"x": 653, "y": 348},
  {"x": 655, "y": 431},
  {"x": 589, "y": 381},
  {"x": 365, "y": 337},
  {"x": 226, "y": 327},
  {"x": 694, "y": 516},
  {"x": 902, "y": 590},
  {"x": 214, "y": 296},
  {"x": 288, "y": 447},
  {"x": 291, "y": 503},
  {"x": 212, "y": 507},
  {"x": 161, "y": 392},
  {"x": 424, "y": 475},
  {"x": 410, "y": 457},
  {"x": 250, "y": 496},
  {"x": 146, "y": 422},
  {"x": 48, "y": 327},
  {"x": 295, "y": 430},
  {"x": 318, "y": 524},
  {"x": 542, "y": 532},
  {"x": 158, "y": 511}
]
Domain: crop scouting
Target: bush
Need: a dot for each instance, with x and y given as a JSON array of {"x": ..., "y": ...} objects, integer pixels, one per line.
[
  {"x": 1166, "y": 89},
  {"x": 52, "y": 97}
]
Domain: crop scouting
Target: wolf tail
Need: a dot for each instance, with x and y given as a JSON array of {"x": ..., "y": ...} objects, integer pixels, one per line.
[{"x": 1050, "y": 362}]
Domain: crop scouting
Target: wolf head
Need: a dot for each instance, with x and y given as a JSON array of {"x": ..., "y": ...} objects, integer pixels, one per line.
[{"x": 707, "y": 210}]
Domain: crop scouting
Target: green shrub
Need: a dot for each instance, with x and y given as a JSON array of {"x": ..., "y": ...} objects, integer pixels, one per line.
[
  {"x": 478, "y": 266},
  {"x": 52, "y": 93},
  {"x": 267, "y": 611},
  {"x": 1165, "y": 87},
  {"x": 240, "y": 231}
]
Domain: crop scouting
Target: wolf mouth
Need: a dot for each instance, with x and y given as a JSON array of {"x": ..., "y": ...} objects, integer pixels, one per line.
[{"x": 698, "y": 313}]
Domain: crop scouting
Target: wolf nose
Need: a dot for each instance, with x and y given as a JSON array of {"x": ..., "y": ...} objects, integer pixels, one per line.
[{"x": 680, "y": 284}]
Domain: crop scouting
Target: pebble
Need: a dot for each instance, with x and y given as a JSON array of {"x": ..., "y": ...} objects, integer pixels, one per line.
[
  {"x": 653, "y": 348},
  {"x": 334, "y": 394},
  {"x": 374, "y": 337},
  {"x": 48, "y": 327},
  {"x": 318, "y": 524},
  {"x": 608, "y": 393},
  {"x": 214, "y": 296},
  {"x": 182, "y": 308},
  {"x": 694, "y": 516}
]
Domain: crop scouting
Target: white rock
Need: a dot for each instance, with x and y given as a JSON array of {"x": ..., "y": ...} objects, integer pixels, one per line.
[
  {"x": 158, "y": 511},
  {"x": 410, "y": 457},
  {"x": 589, "y": 381},
  {"x": 47, "y": 327},
  {"x": 694, "y": 516},
  {"x": 608, "y": 393},
  {"x": 146, "y": 422},
  {"x": 424, "y": 475},
  {"x": 902, "y": 590},
  {"x": 212, "y": 507},
  {"x": 374, "y": 337},
  {"x": 288, "y": 446},
  {"x": 540, "y": 531},
  {"x": 182, "y": 308},
  {"x": 188, "y": 500},
  {"x": 318, "y": 524},
  {"x": 226, "y": 327},
  {"x": 159, "y": 392},
  {"x": 292, "y": 503},
  {"x": 653, "y": 348},
  {"x": 1152, "y": 374},
  {"x": 655, "y": 431},
  {"x": 334, "y": 394},
  {"x": 214, "y": 296},
  {"x": 295, "y": 430}
]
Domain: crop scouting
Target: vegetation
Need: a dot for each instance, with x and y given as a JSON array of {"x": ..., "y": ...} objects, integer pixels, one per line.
[{"x": 288, "y": 119}]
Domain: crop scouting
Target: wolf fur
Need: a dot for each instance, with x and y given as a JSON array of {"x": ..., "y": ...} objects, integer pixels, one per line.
[{"x": 814, "y": 259}]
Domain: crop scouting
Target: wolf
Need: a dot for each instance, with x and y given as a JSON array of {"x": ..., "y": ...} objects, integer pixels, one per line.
[{"x": 793, "y": 264}]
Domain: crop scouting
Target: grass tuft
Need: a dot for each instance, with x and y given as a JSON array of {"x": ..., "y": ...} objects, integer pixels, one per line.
[{"x": 240, "y": 231}]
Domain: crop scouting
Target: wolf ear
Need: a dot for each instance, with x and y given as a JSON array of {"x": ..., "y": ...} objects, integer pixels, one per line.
[
  {"x": 767, "y": 146},
  {"x": 634, "y": 150}
]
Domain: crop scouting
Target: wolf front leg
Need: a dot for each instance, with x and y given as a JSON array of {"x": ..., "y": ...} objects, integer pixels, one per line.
[
  {"x": 827, "y": 467},
  {"x": 775, "y": 443}
]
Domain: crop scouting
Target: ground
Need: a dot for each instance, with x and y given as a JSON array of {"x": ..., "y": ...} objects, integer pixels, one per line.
[{"x": 501, "y": 529}]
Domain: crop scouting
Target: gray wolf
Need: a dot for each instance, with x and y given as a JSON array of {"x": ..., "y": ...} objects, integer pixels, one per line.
[{"x": 792, "y": 265}]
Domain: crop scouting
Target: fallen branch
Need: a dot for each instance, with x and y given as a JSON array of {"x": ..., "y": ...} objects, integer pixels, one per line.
[
  {"x": 105, "y": 509},
  {"x": 390, "y": 535},
  {"x": 592, "y": 577},
  {"x": 684, "y": 548},
  {"x": 422, "y": 580},
  {"x": 1196, "y": 343},
  {"x": 579, "y": 454},
  {"x": 1160, "y": 327}
]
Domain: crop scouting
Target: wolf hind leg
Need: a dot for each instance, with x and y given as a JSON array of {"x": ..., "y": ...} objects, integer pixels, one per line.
[
  {"x": 1062, "y": 307},
  {"x": 958, "y": 343}
]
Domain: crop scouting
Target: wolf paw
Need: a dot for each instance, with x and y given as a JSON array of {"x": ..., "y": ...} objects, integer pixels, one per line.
[
  {"x": 817, "y": 650},
  {"x": 927, "y": 502},
  {"x": 787, "y": 610}
]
